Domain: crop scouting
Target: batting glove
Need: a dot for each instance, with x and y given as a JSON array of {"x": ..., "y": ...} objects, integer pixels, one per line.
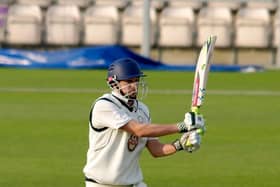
[
  {"x": 191, "y": 122},
  {"x": 189, "y": 142}
]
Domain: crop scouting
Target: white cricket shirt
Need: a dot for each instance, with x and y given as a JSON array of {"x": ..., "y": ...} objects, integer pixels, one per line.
[{"x": 113, "y": 154}]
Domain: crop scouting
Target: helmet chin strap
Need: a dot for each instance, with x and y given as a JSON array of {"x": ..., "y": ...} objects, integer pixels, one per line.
[{"x": 118, "y": 94}]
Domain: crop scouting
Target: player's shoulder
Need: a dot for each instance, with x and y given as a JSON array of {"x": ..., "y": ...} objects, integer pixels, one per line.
[
  {"x": 144, "y": 110},
  {"x": 143, "y": 106},
  {"x": 105, "y": 97},
  {"x": 106, "y": 100}
]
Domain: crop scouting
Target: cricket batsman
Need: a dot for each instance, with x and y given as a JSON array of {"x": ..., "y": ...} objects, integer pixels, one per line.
[{"x": 120, "y": 128}]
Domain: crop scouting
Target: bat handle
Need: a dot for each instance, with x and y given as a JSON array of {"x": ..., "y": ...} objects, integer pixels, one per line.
[{"x": 195, "y": 109}]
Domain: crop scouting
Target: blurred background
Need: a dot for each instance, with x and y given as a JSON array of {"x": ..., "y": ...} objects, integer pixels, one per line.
[
  {"x": 44, "y": 112},
  {"x": 170, "y": 31}
]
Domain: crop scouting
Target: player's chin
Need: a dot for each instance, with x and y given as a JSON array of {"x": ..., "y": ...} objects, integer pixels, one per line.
[{"x": 133, "y": 95}]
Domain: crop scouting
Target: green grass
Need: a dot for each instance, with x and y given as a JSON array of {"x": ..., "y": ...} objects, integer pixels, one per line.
[{"x": 44, "y": 130}]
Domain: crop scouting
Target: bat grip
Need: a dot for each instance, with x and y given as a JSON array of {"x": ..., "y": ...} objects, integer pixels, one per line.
[{"x": 195, "y": 109}]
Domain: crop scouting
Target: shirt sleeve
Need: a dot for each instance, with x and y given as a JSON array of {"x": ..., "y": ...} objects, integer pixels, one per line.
[{"x": 108, "y": 114}]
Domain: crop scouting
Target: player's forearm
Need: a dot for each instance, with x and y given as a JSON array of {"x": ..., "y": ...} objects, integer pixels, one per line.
[
  {"x": 149, "y": 130},
  {"x": 154, "y": 130},
  {"x": 158, "y": 149},
  {"x": 165, "y": 150}
]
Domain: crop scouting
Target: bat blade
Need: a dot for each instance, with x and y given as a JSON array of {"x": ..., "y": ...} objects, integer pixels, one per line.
[{"x": 201, "y": 73}]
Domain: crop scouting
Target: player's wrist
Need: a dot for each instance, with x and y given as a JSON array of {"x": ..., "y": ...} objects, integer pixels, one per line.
[{"x": 177, "y": 145}]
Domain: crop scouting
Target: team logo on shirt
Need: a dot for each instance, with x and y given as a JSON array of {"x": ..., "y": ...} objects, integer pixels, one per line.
[{"x": 132, "y": 142}]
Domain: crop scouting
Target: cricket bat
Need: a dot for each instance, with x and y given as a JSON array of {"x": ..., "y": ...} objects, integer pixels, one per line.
[
  {"x": 201, "y": 73},
  {"x": 200, "y": 79}
]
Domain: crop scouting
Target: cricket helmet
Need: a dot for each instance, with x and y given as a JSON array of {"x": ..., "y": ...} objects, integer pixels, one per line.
[{"x": 124, "y": 69}]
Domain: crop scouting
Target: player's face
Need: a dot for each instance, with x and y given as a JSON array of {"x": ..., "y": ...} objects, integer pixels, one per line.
[{"x": 129, "y": 87}]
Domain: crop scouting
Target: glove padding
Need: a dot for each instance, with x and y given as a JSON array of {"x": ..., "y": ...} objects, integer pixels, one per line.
[
  {"x": 189, "y": 142},
  {"x": 191, "y": 122}
]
